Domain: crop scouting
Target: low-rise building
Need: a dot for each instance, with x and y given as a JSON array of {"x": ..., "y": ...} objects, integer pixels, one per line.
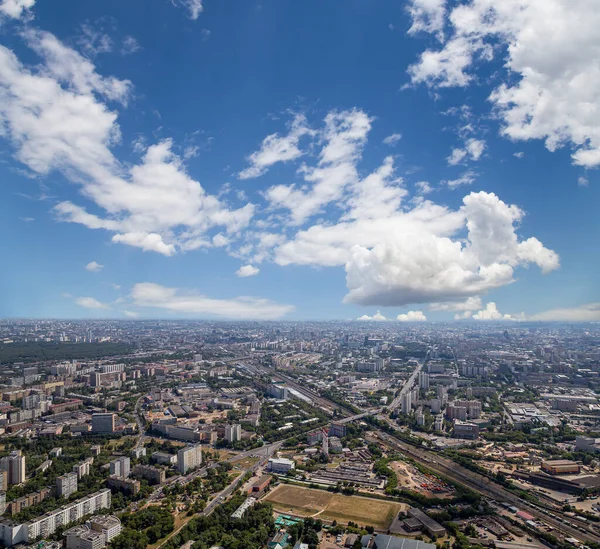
[
  {"x": 560, "y": 467},
  {"x": 280, "y": 465}
]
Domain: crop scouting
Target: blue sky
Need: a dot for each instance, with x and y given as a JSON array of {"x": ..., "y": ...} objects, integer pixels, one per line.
[{"x": 299, "y": 160}]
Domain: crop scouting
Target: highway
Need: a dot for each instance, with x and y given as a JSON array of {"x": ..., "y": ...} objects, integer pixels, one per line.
[{"x": 406, "y": 387}]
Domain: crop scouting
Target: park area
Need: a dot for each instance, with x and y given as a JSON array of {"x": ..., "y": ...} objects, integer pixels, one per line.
[{"x": 327, "y": 506}]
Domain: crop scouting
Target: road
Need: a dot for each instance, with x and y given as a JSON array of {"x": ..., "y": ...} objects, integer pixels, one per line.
[
  {"x": 140, "y": 423},
  {"x": 264, "y": 453},
  {"x": 407, "y": 387}
]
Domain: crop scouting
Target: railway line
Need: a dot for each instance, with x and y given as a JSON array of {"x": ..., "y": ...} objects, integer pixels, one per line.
[
  {"x": 562, "y": 523},
  {"x": 488, "y": 488}
]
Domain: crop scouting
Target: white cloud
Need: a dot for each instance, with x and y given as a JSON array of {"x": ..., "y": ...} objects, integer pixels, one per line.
[
  {"x": 130, "y": 45},
  {"x": 393, "y": 139},
  {"x": 519, "y": 154},
  {"x": 147, "y": 294},
  {"x": 116, "y": 286},
  {"x": 276, "y": 148},
  {"x": 16, "y": 8},
  {"x": 472, "y": 150},
  {"x": 64, "y": 65},
  {"x": 27, "y": 219},
  {"x": 467, "y": 178},
  {"x": 427, "y": 15},
  {"x": 94, "y": 41},
  {"x": 344, "y": 137},
  {"x": 377, "y": 317},
  {"x": 131, "y": 314},
  {"x": 456, "y": 157},
  {"x": 589, "y": 312},
  {"x": 411, "y": 256},
  {"x": 94, "y": 267},
  {"x": 193, "y": 7},
  {"x": 247, "y": 270},
  {"x": 552, "y": 68},
  {"x": 149, "y": 242},
  {"x": 423, "y": 187},
  {"x": 583, "y": 181},
  {"x": 90, "y": 303},
  {"x": 469, "y": 304},
  {"x": 412, "y": 316},
  {"x": 65, "y": 127},
  {"x": 490, "y": 312}
]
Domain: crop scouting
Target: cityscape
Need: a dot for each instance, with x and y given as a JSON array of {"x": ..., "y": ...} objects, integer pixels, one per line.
[
  {"x": 297, "y": 434},
  {"x": 299, "y": 274}
]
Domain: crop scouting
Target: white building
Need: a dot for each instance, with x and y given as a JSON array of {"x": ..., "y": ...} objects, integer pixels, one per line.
[
  {"x": 109, "y": 525},
  {"x": 14, "y": 465},
  {"x": 81, "y": 537},
  {"x": 406, "y": 403},
  {"x": 424, "y": 381},
  {"x": 280, "y": 465},
  {"x": 120, "y": 467},
  {"x": 66, "y": 485},
  {"x": 233, "y": 432},
  {"x": 12, "y": 532},
  {"x": 189, "y": 458},
  {"x": 83, "y": 469},
  {"x": 436, "y": 405}
]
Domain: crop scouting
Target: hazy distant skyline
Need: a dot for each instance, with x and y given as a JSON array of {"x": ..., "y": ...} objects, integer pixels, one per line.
[{"x": 407, "y": 161}]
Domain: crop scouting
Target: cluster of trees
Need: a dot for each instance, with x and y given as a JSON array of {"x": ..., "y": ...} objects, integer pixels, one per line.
[
  {"x": 306, "y": 531},
  {"x": 252, "y": 531},
  {"x": 36, "y": 351},
  {"x": 381, "y": 468},
  {"x": 143, "y": 528},
  {"x": 272, "y": 418}
]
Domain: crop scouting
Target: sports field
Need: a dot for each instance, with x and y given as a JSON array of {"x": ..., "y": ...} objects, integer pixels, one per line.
[{"x": 327, "y": 506}]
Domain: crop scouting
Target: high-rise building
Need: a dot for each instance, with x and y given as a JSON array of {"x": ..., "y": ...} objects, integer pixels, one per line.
[
  {"x": 424, "y": 381},
  {"x": 66, "y": 485},
  {"x": 103, "y": 423},
  {"x": 189, "y": 458},
  {"x": 233, "y": 432},
  {"x": 120, "y": 467},
  {"x": 95, "y": 379},
  {"x": 14, "y": 465},
  {"x": 406, "y": 403},
  {"x": 337, "y": 430},
  {"x": 439, "y": 423},
  {"x": 3, "y": 481}
]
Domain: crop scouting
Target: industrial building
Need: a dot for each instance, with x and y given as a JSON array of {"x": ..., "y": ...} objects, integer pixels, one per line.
[{"x": 560, "y": 467}]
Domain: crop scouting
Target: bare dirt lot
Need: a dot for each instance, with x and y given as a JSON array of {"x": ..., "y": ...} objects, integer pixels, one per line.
[
  {"x": 328, "y": 506},
  {"x": 411, "y": 478}
]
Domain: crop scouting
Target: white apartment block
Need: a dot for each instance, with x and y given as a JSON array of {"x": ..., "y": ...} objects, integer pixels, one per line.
[
  {"x": 12, "y": 533},
  {"x": 189, "y": 458},
  {"x": 66, "y": 485},
  {"x": 233, "y": 432},
  {"x": 121, "y": 467}
]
